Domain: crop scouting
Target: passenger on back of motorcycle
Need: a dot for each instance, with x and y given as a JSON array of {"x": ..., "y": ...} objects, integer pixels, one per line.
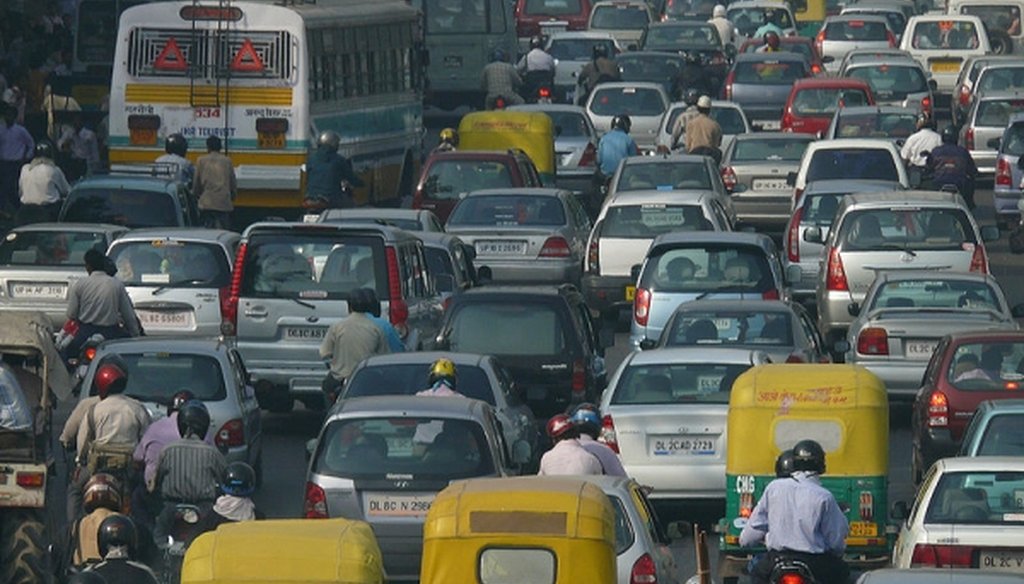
[
  {"x": 80, "y": 546},
  {"x": 537, "y": 69},
  {"x": 600, "y": 69},
  {"x": 235, "y": 502},
  {"x": 798, "y": 518},
  {"x": 100, "y": 303}
]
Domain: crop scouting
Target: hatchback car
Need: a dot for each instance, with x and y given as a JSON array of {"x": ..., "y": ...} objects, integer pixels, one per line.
[
  {"x": 677, "y": 172},
  {"x": 383, "y": 461},
  {"x": 730, "y": 118},
  {"x": 524, "y": 235},
  {"x": 995, "y": 429},
  {"x": 653, "y": 67},
  {"x": 894, "y": 15},
  {"x": 40, "y": 262},
  {"x": 849, "y": 158},
  {"x": 896, "y": 83},
  {"x": 760, "y": 84},
  {"x": 880, "y": 121},
  {"x": 942, "y": 42},
  {"x": 861, "y": 55},
  {"x": 964, "y": 89},
  {"x": 1009, "y": 172},
  {"x": 407, "y": 219},
  {"x": 754, "y": 169},
  {"x": 623, "y": 19},
  {"x": 644, "y": 103},
  {"x": 447, "y": 176},
  {"x": 993, "y": 77},
  {"x": 575, "y": 144},
  {"x": 450, "y": 263},
  {"x": 178, "y": 279},
  {"x": 749, "y": 15},
  {"x": 572, "y": 51},
  {"x": 842, "y": 34},
  {"x": 812, "y": 102},
  {"x": 544, "y": 17},
  {"x": 984, "y": 125},
  {"x": 792, "y": 44},
  {"x": 134, "y": 201}
]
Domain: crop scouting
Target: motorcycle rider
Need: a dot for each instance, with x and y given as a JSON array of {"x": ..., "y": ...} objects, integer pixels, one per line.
[
  {"x": 176, "y": 147},
  {"x": 679, "y": 126},
  {"x": 726, "y": 29},
  {"x": 80, "y": 546},
  {"x": 613, "y": 148},
  {"x": 692, "y": 74},
  {"x": 442, "y": 379},
  {"x": 599, "y": 70},
  {"x": 919, "y": 144},
  {"x": 567, "y": 456},
  {"x": 42, "y": 187},
  {"x": 796, "y": 517},
  {"x": 951, "y": 164},
  {"x": 100, "y": 303},
  {"x": 351, "y": 340},
  {"x": 118, "y": 541},
  {"x": 329, "y": 175},
  {"x": 784, "y": 464},
  {"x": 449, "y": 141},
  {"x": 537, "y": 68},
  {"x": 587, "y": 420},
  {"x": 500, "y": 80},
  {"x": 703, "y": 134},
  {"x": 772, "y": 42}
]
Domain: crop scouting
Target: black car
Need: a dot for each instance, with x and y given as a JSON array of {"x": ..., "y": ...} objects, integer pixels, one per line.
[
  {"x": 698, "y": 39},
  {"x": 135, "y": 201},
  {"x": 543, "y": 335}
]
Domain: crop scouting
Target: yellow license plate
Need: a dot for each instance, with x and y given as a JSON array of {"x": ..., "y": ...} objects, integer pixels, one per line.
[
  {"x": 143, "y": 137},
  {"x": 863, "y": 529},
  {"x": 630, "y": 293},
  {"x": 945, "y": 66},
  {"x": 275, "y": 141}
]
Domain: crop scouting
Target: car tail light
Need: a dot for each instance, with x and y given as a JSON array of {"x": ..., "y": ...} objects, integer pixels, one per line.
[
  {"x": 819, "y": 40},
  {"x": 873, "y": 341},
  {"x": 589, "y": 156},
  {"x": 31, "y": 480},
  {"x": 579, "y": 378},
  {"x": 979, "y": 259},
  {"x": 891, "y": 38},
  {"x": 772, "y": 294},
  {"x": 398, "y": 310},
  {"x": 643, "y": 571},
  {"x": 232, "y": 433},
  {"x": 794, "y": 358},
  {"x": 1003, "y": 172},
  {"x": 926, "y": 105},
  {"x": 788, "y": 121},
  {"x": 642, "y": 306},
  {"x": 594, "y": 255},
  {"x": 315, "y": 504},
  {"x": 727, "y": 86},
  {"x": 792, "y": 578},
  {"x": 965, "y": 95},
  {"x": 816, "y": 69},
  {"x": 555, "y": 247},
  {"x": 793, "y": 236},
  {"x": 941, "y": 556},
  {"x": 969, "y": 139},
  {"x": 88, "y": 355},
  {"x": 729, "y": 177},
  {"x": 835, "y": 279},
  {"x": 229, "y": 302},
  {"x": 608, "y": 433},
  {"x": 938, "y": 410}
]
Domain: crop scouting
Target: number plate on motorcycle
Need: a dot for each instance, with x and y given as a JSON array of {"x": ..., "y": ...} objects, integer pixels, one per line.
[
  {"x": 863, "y": 529},
  {"x": 681, "y": 445},
  {"x": 387, "y": 505}
]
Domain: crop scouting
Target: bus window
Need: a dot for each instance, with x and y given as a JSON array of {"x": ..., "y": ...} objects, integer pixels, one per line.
[{"x": 456, "y": 16}]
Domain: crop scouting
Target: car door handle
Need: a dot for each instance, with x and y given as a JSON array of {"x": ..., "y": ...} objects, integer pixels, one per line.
[{"x": 256, "y": 312}]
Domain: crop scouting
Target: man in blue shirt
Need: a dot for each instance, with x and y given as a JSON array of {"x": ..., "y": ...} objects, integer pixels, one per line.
[
  {"x": 329, "y": 174},
  {"x": 797, "y": 517},
  {"x": 951, "y": 164},
  {"x": 614, "y": 147},
  {"x": 390, "y": 334}
]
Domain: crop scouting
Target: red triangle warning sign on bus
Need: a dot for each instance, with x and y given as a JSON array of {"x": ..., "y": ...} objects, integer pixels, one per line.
[
  {"x": 171, "y": 58},
  {"x": 247, "y": 60}
]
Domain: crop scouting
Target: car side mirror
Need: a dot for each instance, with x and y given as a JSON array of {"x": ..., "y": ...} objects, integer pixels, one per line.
[
  {"x": 521, "y": 453},
  {"x": 1017, "y": 311},
  {"x": 634, "y": 272},
  {"x": 484, "y": 275},
  {"x": 853, "y": 309},
  {"x": 794, "y": 274},
  {"x": 841, "y": 347},
  {"x": 989, "y": 233},
  {"x": 828, "y": 59},
  {"x": 648, "y": 344},
  {"x": 791, "y": 178},
  {"x": 444, "y": 282},
  {"x": 813, "y": 235},
  {"x": 900, "y": 511}
]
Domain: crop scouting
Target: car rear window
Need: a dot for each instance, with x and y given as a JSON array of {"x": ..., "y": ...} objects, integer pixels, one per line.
[
  {"x": 128, "y": 207},
  {"x": 620, "y": 17},
  {"x": 448, "y": 179},
  {"x": 938, "y": 35},
  {"x": 665, "y": 176},
  {"x": 856, "y": 31},
  {"x": 406, "y": 224},
  {"x": 650, "y": 220},
  {"x": 937, "y": 293},
  {"x": 748, "y": 20},
  {"x": 766, "y": 149},
  {"x": 907, "y": 228},
  {"x": 569, "y": 124},
  {"x": 676, "y": 383},
  {"x": 798, "y": 48},
  {"x": 977, "y": 498},
  {"x": 552, "y": 7},
  {"x": 821, "y": 210},
  {"x": 671, "y": 37},
  {"x": 897, "y": 20},
  {"x": 1000, "y": 79},
  {"x": 852, "y": 163},
  {"x": 509, "y": 211},
  {"x": 423, "y": 447},
  {"x": 316, "y": 266},
  {"x": 400, "y": 379},
  {"x": 157, "y": 376},
  {"x": 1003, "y": 436},
  {"x": 708, "y": 268},
  {"x": 996, "y": 113},
  {"x": 633, "y": 101},
  {"x": 457, "y": 17},
  {"x": 823, "y": 102},
  {"x": 729, "y": 119},
  {"x": 1001, "y": 17},
  {"x": 891, "y": 81},
  {"x": 987, "y": 366},
  {"x": 729, "y": 328},
  {"x": 578, "y": 49},
  {"x": 650, "y": 68},
  {"x": 170, "y": 263},
  {"x": 506, "y": 328},
  {"x": 769, "y": 72},
  {"x": 49, "y": 248},
  {"x": 876, "y": 125}
]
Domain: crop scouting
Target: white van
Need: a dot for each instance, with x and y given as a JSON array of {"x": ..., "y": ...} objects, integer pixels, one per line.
[
  {"x": 1002, "y": 19},
  {"x": 941, "y": 43}
]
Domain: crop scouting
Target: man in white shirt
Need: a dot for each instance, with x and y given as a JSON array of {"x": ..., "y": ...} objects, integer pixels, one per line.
[
  {"x": 41, "y": 187},
  {"x": 567, "y": 456},
  {"x": 919, "y": 144}
]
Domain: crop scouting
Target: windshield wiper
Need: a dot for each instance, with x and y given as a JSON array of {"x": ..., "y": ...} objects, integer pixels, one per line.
[
  {"x": 169, "y": 285},
  {"x": 308, "y": 305}
]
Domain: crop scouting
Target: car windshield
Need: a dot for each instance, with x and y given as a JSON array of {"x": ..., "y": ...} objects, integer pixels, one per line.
[
  {"x": 576, "y": 49},
  {"x": 128, "y": 207},
  {"x": 729, "y": 119},
  {"x": 977, "y": 498},
  {"x": 987, "y": 366},
  {"x": 855, "y": 31},
  {"x": 957, "y": 35},
  {"x": 650, "y": 68},
  {"x": 769, "y": 72},
  {"x": 420, "y": 447},
  {"x": 633, "y": 101},
  {"x": 49, "y": 248},
  {"x": 157, "y": 376},
  {"x": 892, "y": 81},
  {"x": 407, "y": 379},
  {"x": 650, "y": 220},
  {"x": 171, "y": 263},
  {"x": 821, "y": 209},
  {"x": 824, "y": 101},
  {"x": 788, "y": 150},
  {"x": 509, "y": 211},
  {"x": 508, "y": 328},
  {"x": 730, "y": 328},
  {"x": 569, "y": 124},
  {"x": 876, "y": 125},
  {"x": 676, "y": 383},
  {"x": 448, "y": 179},
  {"x": 853, "y": 163},
  {"x": 619, "y": 17},
  {"x": 1000, "y": 78},
  {"x": 673, "y": 37},
  {"x": 552, "y": 7},
  {"x": 996, "y": 17},
  {"x": 1002, "y": 436},
  {"x": 995, "y": 113},
  {"x": 1013, "y": 141},
  {"x": 901, "y": 229},
  {"x": 936, "y": 293},
  {"x": 708, "y": 268},
  {"x": 313, "y": 266},
  {"x": 663, "y": 176},
  {"x": 748, "y": 20}
]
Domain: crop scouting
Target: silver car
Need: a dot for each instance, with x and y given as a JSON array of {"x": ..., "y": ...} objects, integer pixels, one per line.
[
  {"x": 898, "y": 83},
  {"x": 841, "y": 34},
  {"x": 755, "y": 167},
  {"x": 992, "y": 77},
  {"x": 861, "y": 55},
  {"x": 760, "y": 83},
  {"x": 873, "y": 121},
  {"x": 575, "y": 144},
  {"x": 39, "y": 262},
  {"x": 382, "y": 460},
  {"x": 677, "y": 172},
  {"x": 572, "y": 50},
  {"x": 644, "y": 103},
  {"x": 407, "y": 219},
  {"x": 964, "y": 90},
  {"x": 177, "y": 278},
  {"x": 524, "y": 235},
  {"x": 985, "y": 122},
  {"x": 905, "y": 314},
  {"x": 729, "y": 115},
  {"x": 1009, "y": 172}
]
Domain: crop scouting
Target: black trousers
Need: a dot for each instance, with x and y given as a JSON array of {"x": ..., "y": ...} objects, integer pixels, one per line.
[{"x": 827, "y": 568}]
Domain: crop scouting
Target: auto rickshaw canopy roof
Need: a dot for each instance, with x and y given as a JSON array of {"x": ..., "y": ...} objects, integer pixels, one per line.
[
  {"x": 531, "y": 132},
  {"x": 28, "y": 332}
]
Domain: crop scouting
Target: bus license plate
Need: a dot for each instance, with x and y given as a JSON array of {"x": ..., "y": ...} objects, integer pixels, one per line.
[
  {"x": 270, "y": 141},
  {"x": 863, "y": 529},
  {"x": 143, "y": 136}
]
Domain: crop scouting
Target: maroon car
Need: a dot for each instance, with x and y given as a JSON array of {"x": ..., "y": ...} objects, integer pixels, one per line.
[
  {"x": 965, "y": 370},
  {"x": 563, "y": 14},
  {"x": 446, "y": 176}
]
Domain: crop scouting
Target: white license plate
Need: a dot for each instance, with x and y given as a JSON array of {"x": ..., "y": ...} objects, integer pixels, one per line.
[
  {"x": 769, "y": 124},
  {"x": 165, "y": 318},
  {"x": 41, "y": 291},
  {"x": 709, "y": 383},
  {"x": 920, "y": 349},
  {"x": 1004, "y": 561},
  {"x": 768, "y": 184},
  {"x": 682, "y": 446},
  {"x": 501, "y": 248},
  {"x": 383, "y": 505},
  {"x": 304, "y": 333}
]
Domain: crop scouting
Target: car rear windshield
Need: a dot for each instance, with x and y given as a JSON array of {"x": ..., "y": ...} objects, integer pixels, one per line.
[
  {"x": 552, "y": 7},
  {"x": 731, "y": 327},
  {"x": 671, "y": 37},
  {"x": 1013, "y": 142},
  {"x": 897, "y": 20},
  {"x": 447, "y": 179},
  {"x": 821, "y": 209},
  {"x": 676, "y": 383},
  {"x": 315, "y": 266},
  {"x": 708, "y": 268},
  {"x": 852, "y": 163},
  {"x": 756, "y": 150},
  {"x": 459, "y": 17},
  {"x": 633, "y": 101},
  {"x": 1002, "y": 436},
  {"x": 422, "y": 447},
  {"x": 128, "y": 207},
  {"x": 650, "y": 68},
  {"x": 987, "y": 366},
  {"x": 944, "y": 35},
  {"x": 891, "y": 81},
  {"x": 49, "y": 248},
  {"x": 520, "y": 328},
  {"x": 649, "y": 221},
  {"x": 578, "y": 49},
  {"x": 157, "y": 376},
  {"x": 169, "y": 263},
  {"x": 977, "y": 498},
  {"x": 996, "y": 17},
  {"x": 664, "y": 176},
  {"x": 620, "y": 17},
  {"x": 406, "y": 224},
  {"x": 899, "y": 229},
  {"x": 748, "y": 20},
  {"x": 854, "y": 31},
  {"x": 569, "y": 124},
  {"x": 824, "y": 101},
  {"x": 1000, "y": 79},
  {"x": 937, "y": 293},
  {"x": 729, "y": 119},
  {"x": 769, "y": 72},
  {"x": 876, "y": 125},
  {"x": 399, "y": 379},
  {"x": 509, "y": 211},
  {"x": 995, "y": 113}
]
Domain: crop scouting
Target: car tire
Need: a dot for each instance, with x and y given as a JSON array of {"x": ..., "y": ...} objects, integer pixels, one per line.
[{"x": 23, "y": 547}]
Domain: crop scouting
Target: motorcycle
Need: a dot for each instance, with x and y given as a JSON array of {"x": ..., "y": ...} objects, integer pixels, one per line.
[
  {"x": 790, "y": 570},
  {"x": 188, "y": 524}
]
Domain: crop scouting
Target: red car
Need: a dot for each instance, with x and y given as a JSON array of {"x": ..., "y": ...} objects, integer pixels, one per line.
[
  {"x": 531, "y": 13},
  {"x": 965, "y": 370},
  {"x": 803, "y": 45},
  {"x": 812, "y": 102},
  {"x": 446, "y": 176}
]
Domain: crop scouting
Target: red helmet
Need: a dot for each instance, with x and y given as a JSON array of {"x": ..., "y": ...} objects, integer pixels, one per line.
[
  {"x": 110, "y": 379},
  {"x": 560, "y": 427}
]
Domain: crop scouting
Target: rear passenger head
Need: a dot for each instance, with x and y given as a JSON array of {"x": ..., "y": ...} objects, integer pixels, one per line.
[
  {"x": 828, "y": 205},
  {"x": 363, "y": 300},
  {"x": 679, "y": 269}
]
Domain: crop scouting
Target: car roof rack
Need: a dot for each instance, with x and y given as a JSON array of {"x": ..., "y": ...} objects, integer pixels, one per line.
[{"x": 167, "y": 170}]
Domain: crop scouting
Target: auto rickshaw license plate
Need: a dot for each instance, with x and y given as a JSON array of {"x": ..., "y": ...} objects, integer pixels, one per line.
[
  {"x": 630, "y": 293},
  {"x": 863, "y": 529}
]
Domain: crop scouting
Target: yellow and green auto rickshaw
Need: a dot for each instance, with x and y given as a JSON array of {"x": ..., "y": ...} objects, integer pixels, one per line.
[
  {"x": 843, "y": 407},
  {"x": 285, "y": 551},
  {"x": 559, "y": 530},
  {"x": 531, "y": 132}
]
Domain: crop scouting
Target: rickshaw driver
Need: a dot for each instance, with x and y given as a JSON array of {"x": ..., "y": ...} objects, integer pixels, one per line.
[{"x": 797, "y": 517}]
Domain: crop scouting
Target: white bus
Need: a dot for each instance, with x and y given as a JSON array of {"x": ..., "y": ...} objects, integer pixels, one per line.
[{"x": 267, "y": 79}]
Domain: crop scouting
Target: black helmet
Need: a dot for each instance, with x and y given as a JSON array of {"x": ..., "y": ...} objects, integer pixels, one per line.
[
  {"x": 691, "y": 96},
  {"x": 949, "y": 135},
  {"x": 809, "y": 456},
  {"x": 692, "y": 57},
  {"x": 784, "y": 464},
  {"x": 925, "y": 121},
  {"x": 193, "y": 418},
  {"x": 239, "y": 480},
  {"x": 536, "y": 42},
  {"x": 600, "y": 51},
  {"x": 622, "y": 122},
  {"x": 117, "y": 531},
  {"x": 44, "y": 150},
  {"x": 87, "y": 578},
  {"x": 179, "y": 399},
  {"x": 176, "y": 144}
]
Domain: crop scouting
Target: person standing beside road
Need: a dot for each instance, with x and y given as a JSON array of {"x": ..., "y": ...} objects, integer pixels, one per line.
[
  {"x": 351, "y": 340},
  {"x": 100, "y": 303},
  {"x": 176, "y": 147},
  {"x": 329, "y": 175},
  {"x": 214, "y": 186},
  {"x": 82, "y": 145},
  {"x": 615, "y": 146},
  {"x": 567, "y": 456},
  {"x": 500, "y": 80},
  {"x": 42, "y": 186},
  {"x": 726, "y": 29},
  {"x": 919, "y": 144},
  {"x": 16, "y": 148},
  {"x": 587, "y": 420},
  {"x": 702, "y": 131}
]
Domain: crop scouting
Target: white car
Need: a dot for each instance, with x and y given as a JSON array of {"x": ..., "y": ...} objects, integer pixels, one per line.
[
  {"x": 941, "y": 43},
  {"x": 969, "y": 513},
  {"x": 572, "y": 50},
  {"x": 623, "y": 19},
  {"x": 841, "y": 34},
  {"x": 849, "y": 158},
  {"x": 644, "y": 103},
  {"x": 728, "y": 114}
]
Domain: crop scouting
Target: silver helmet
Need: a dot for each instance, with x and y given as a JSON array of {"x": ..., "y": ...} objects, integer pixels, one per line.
[{"x": 329, "y": 138}]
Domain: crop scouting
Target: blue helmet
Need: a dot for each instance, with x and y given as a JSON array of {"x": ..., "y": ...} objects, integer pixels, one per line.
[{"x": 587, "y": 419}]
